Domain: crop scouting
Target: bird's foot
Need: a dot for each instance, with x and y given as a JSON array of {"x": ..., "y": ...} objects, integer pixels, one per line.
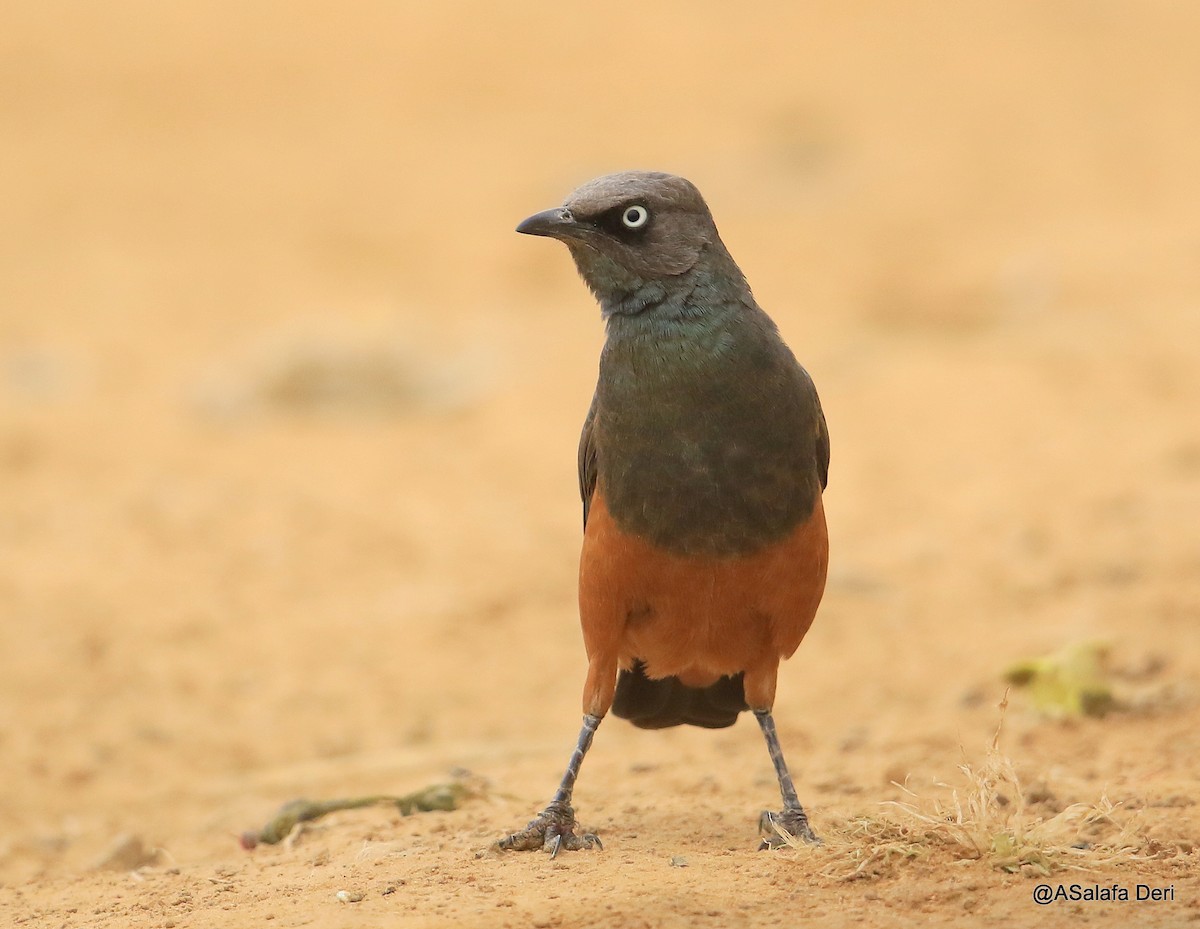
[
  {"x": 793, "y": 824},
  {"x": 552, "y": 831}
]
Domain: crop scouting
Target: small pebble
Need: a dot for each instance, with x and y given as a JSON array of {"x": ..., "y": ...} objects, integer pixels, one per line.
[
  {"x": 349, "y": 896},
  {"x": 678, "y": 861}
]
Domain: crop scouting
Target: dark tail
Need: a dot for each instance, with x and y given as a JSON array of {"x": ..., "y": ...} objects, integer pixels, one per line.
[{"x": 650, "y": 704}]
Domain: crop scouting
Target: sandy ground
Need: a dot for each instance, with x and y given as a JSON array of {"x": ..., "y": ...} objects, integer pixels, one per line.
[{"x": 288, "y": 421}]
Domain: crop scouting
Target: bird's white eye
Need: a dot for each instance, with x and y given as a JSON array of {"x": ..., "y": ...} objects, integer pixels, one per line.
[{"x": 635, "y": 217}]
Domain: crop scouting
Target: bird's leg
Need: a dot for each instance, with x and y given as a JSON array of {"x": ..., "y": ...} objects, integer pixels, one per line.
[
  {"x": 554, "y": 828},
  {"x": 792, "y": 819}
]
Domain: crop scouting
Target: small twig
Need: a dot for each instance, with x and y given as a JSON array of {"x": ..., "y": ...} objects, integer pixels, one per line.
[{"x": 292, "y": 814}]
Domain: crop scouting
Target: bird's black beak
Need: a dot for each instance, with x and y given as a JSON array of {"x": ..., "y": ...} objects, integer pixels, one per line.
[{"x": 557, "y": 223}]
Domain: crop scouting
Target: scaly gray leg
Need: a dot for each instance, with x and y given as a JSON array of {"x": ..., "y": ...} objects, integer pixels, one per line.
[
  {"x": 792, "y": 819},
  {"x": 554, "y": 828}
]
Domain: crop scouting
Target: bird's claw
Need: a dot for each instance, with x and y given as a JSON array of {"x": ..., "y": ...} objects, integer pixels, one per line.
[
  {"x": 776, "y": 828},
  {"x": 571, "y": 842},
  {"x": 552, "y": 831}
]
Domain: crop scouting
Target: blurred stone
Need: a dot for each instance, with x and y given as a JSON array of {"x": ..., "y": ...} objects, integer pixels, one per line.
[
  {"x": 127, "y": 853},
  {"x": 342, "y": 373}
]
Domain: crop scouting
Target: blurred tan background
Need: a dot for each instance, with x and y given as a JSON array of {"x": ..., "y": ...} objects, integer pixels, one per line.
[{"x": 288, "y": 419}]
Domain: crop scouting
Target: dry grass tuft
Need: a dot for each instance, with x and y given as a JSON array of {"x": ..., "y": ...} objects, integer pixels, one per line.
[
  {"x": 990, "y": 816},
  {"x": 868, "y": 848}
]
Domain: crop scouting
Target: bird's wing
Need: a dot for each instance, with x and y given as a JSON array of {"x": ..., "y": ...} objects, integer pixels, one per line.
[
  {"x": 822, "y": 448},
  {"x": 587, "y": 462}
]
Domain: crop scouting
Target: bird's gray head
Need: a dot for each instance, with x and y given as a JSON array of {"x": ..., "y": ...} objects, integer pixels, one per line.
[{"x": 631, "y": 233}]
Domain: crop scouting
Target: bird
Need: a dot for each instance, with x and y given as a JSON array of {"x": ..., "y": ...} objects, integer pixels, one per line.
[{"x": 702, "y": 464}]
